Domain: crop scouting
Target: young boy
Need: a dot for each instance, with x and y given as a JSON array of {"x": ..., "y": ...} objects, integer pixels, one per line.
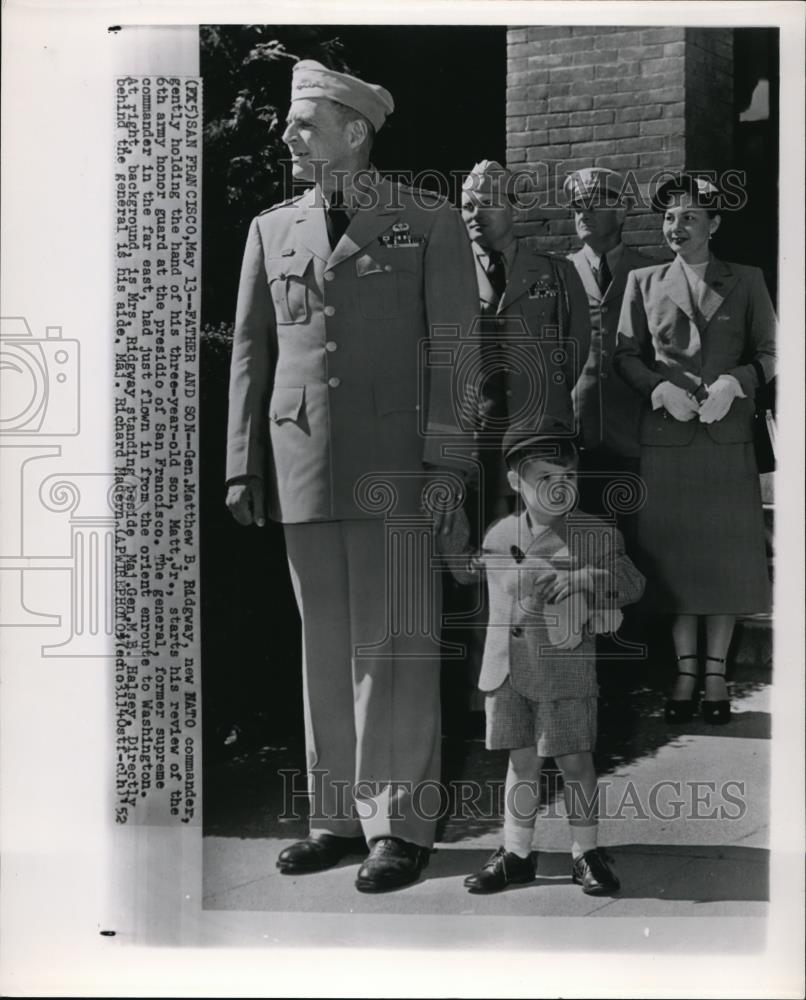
[{"x": 555, "y": 577}]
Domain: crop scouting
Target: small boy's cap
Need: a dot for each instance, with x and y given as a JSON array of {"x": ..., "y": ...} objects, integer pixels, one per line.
[
  {"x": 311, "y": 79},
  {"x": 593, "y": 185},
  {"x": 550, "y": 432},
  {"x": 704, "y": 192}
]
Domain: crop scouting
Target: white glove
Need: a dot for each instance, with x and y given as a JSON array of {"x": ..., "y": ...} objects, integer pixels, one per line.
[
  {"x": 720, "y": 398},
  {"x": 605, "y": 620},
  {"x": 571, "y": 615},
  {"x": 675, "y": 401}
]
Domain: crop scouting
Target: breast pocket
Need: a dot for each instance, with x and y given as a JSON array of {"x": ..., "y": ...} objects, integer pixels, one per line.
[
  {"x": 388, "y": 283},
  {"x": 289, "y": 282}
]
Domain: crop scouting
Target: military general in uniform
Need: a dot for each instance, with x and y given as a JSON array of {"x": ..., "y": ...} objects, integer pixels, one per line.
[{"x": 335, "y": 415}]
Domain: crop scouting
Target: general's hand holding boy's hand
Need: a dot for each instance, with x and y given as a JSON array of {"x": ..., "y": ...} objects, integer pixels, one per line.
[
  {"x": 676, "y": 401},
  {"x": 245, "y": 501}
]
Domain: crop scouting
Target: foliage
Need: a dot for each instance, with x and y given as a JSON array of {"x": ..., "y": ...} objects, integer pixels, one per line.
[{"x": 247, "y": 73}]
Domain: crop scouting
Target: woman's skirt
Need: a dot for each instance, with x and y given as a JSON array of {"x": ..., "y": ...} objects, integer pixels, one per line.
[{"x": 701, "y": 531}]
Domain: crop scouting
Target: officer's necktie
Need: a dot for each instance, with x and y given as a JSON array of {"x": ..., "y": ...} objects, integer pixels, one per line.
[
  {"x": 336, "y": 218},
  {"x": 603, "y": 275},
  {"x": 496, "y": 272}
]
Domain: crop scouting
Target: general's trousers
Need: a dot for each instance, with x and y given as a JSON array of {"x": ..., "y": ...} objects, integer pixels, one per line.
[{"x": 370, "y": 601}]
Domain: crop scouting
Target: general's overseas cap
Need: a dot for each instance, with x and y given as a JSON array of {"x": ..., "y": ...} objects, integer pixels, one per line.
[
  {"x": 312, "y": 79},
  {"x": 594, "y": 183}
]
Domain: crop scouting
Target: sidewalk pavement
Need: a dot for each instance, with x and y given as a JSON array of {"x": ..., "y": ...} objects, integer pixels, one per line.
[{"x": 686, "y": 866}]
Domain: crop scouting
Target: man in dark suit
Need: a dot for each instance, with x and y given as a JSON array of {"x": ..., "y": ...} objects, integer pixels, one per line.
[
  {"x": 607, "y": 410},
  {"x": 336, "y": 419}
]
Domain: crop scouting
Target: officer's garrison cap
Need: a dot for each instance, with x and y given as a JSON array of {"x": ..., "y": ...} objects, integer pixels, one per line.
[
  {"x": 311, "y": 79},
  {"x": 599, "y": 187}
]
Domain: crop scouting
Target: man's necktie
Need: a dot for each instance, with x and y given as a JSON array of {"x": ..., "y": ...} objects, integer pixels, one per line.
[
  {"x": 496, "y": 272},
  {"x": 336, "y": 218},
  {"x": 603, "y": 276}
]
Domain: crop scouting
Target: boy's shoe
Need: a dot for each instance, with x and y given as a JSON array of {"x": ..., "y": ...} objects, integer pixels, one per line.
[
  {"x": 592, "y": 872},
  {"x": 502, "y": 869}
]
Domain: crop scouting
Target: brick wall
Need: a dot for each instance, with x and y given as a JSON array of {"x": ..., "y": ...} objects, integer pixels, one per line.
[{"x": 634, "y": 99}]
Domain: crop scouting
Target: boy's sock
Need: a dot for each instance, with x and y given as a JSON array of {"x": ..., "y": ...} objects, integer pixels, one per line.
[
  {"x": 518, "y": 838},
  {"x": 521, "y": 799},
  {"x": 585, "y": 839}
]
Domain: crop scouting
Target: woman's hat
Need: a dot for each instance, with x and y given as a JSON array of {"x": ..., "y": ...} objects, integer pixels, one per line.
[{"x": 704, "y": 193}]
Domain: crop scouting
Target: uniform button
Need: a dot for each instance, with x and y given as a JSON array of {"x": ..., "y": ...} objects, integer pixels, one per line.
[
  {"x": 387, "y": 267},
  {"x": 334, "y": 382},
  {"x": 603, "y": 375},
  {"x": 517, "y": 632},
  {"x": 331, "y": 345},
  {"x": 329, "y": 275},
  {"x": 330, "y": 310},
  {"x": 604, "y": 309},
  {"x": 509, "y": 392},
  {"x": 604, "y": 354}
]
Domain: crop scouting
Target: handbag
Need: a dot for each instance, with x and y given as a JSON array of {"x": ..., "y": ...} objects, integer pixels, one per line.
[{"x": 764, "y": 421}]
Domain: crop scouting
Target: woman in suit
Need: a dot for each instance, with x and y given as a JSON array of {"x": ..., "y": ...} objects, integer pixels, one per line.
[{"x": 696, "y": 337}]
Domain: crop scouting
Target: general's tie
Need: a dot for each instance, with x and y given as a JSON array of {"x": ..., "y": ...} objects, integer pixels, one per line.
[
  {"x": 336, "y": 218},
  {"x": 496, "y": 272},
  {"x": 603, "y": 276}
]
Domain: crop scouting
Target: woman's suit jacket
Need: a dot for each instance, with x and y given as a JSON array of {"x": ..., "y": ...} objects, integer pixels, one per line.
[{"x": 663, "y": 338}]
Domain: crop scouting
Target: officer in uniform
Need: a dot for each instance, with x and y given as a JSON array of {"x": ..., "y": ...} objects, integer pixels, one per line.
[
  {"x": 607, "y": 411},
  {"x": 335, "y": 416},
  {"x": 535, "y": 327}
]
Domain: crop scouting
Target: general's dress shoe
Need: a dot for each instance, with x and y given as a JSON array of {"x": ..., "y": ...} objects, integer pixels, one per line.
[
  {"x": 392, "y": 863},
  {"x": 592, "y": 872},
  {"x": 314, "y": 854},
  {"x": 502, "y": 869}
]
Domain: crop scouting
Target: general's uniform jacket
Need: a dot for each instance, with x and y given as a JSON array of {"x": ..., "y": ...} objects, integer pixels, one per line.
[
  {"x": 608, "y": 411},
  {"x": 543, "y": 306},
  {"x": 328, "y": 371},
  {"x": 517, "y": 644},
  {"x": 662, "y": 337}
]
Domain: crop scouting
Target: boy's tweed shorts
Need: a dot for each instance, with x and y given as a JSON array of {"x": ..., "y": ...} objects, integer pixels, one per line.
[{"x": 555, "y": 728}]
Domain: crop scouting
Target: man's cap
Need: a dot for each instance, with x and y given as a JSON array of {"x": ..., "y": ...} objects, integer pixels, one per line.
[
  {"x": 596, "y": 187},
  {"x": 541, "y": 440},
  {"x": 311, "y": 79},
  {"x": 486, "y": 176},
  {"x": 704, "y": 193}
]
